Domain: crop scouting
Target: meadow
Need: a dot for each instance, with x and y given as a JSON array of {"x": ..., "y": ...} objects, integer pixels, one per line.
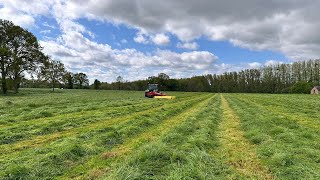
[{"x": 87, "y": 134}]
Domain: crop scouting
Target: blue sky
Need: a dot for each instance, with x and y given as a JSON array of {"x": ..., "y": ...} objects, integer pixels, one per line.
[
  {"x": 120, "y": 36},
  {"x": 137, "y": 39}
]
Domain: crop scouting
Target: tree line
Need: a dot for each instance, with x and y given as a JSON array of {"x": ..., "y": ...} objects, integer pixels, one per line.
[
  {"x": 21, "y": 54},
  {"x": 298, "y": 77}
]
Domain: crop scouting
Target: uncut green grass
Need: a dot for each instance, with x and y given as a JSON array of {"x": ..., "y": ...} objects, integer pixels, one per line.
[
  {"x": 55, "y": 158},
  {"x": 290, "y": 150}
]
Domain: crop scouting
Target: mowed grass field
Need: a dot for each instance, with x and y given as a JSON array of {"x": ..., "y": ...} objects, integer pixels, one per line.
[{"x": 86, "y": 134}]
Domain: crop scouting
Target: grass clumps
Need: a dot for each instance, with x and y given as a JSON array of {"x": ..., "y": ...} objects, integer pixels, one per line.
[
  {"x": 153, "y": 161},
  {"x": 44, "y": 114},
  {"x": 8, "y": 103},
  {"x": 17, "y": 172},
  {"x": 183, "y": 153},
  {"x": 285, "y": 144}
]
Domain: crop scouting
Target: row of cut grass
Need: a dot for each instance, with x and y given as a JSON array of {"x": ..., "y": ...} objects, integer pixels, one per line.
[
  {"x": 16, "y": 109},
  {"x": 302, "y": 105},
  {"x": 43, "y": 139},
  {"x": 237, "y": 150},
  {"x": 119, "y": 166},
  {"x": 27, "y": 130},
  {"x": 64, "y": 151},
  {"x": 22, "y": 108},
  {"x": 42, "y": 126},
  {"x": 288, "y": 149},
  {"x": 134, "y": 141},
  {"x": 196, "y": 136},
  {"x": 286, "y": 111}
]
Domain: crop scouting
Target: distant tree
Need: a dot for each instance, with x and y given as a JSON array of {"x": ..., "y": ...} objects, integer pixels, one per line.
[
  {"x": 96, "y": 84},
  {"x": 152, "y": 80},
  {"x": 162, "y": 80},
  {"x": 68, "y": 79},
  {"x": 19, "y": 52},
  {"x": 197, "y": 83},
  {"x": 172, "y": 85},
  {"x": 106, "y": 86},
  {"x": 301, "y": 87},
  {"x": 53, "y": 72},
  {"x": 81, "y": 79},
  {"x": 119, "y": 80},
  {"x": 163, "y": 76}
]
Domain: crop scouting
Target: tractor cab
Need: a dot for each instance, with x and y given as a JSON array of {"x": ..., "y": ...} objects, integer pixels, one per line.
[{"x": 153, "y": 87}]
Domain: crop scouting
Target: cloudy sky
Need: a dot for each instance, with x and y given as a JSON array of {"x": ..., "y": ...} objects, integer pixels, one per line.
[{"x": 182, "y": 38}]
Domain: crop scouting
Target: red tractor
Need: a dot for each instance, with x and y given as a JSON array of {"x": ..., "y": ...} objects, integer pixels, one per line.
[{"x": 153, "y": 91}]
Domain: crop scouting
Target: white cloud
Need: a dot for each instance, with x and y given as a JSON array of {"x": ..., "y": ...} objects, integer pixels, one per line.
[
  {"x": 140, "y": 38},
  {"x": 188, "y": 45},
  {"x": 273, "y": 62},
  {"x": 78, "y": 52},
  {"x": 287, "y": 26},
  {"x": 161, "y": 39},
  {"x": 18, "y": 18},
  {"x": 257, "y": 25},
  {"x": 48, "y": 25},
  {"x": 102, "y": 61},
  {"x": 254, "y": 65},
  {"x": 23, "y": 12},
  {"x": 45, "y": 31}
]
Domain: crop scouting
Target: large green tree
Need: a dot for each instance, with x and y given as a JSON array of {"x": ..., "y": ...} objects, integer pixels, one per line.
[
  {"x": 53, "y": 71},
  {"x": 19, "y": 52},
  {"x": 96, "y": 84},
  {"x": 68, "y": 80},
  {"x": 119, "y": 81},
  {"x": 81, "y": 80}
]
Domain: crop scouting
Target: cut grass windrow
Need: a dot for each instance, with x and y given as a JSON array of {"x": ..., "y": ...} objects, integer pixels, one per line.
[
  {"x": 239, "y": 152},
  {"x": 77, "y": 111},
  {"x": 80, "y": 113},
  {"x": 51, "y": 109},
  {"x": 94, "y": 107},
  {"x": 161, "y": 129},
  {"x": 63, "y": 149},
  {"x": 182, "y": 153},
  {"x": 121, "y": 135},
  {"x": 29, "y": 108},
  {"x": 42, "y": 126},
  {"x": 300, "y": 118},
  {"x": 149, "y": 135},
  {"x": 286, "y": 103},
  {"x": 290, "y": 151},
  {"x": 40, "y": 140}
]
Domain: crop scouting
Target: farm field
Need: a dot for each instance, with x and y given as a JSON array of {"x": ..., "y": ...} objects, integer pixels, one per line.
[{"x": 86, "y": 134}]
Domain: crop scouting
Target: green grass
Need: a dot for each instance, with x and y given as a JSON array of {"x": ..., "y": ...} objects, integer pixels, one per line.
[
  {"x": 289, "y": 148},
  {"x": 86, "y": 134}
]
